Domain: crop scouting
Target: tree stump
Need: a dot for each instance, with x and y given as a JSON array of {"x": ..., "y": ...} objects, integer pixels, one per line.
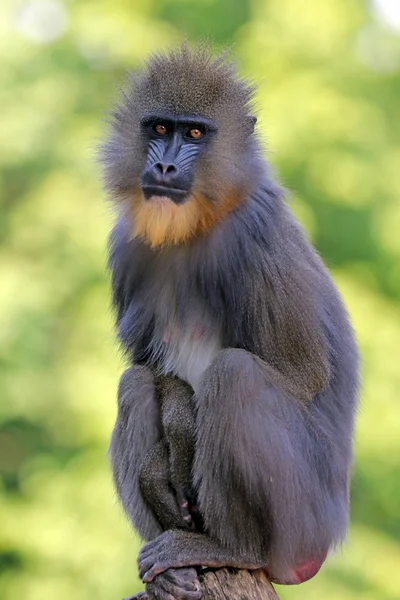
[
  {"x": 229, "y": 584},
  {"x": 235, "y": 584}
]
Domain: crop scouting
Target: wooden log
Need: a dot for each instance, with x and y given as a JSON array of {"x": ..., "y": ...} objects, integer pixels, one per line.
[
  {"x": 234, "y": 584},
  {"x": 229, "y": 584}
]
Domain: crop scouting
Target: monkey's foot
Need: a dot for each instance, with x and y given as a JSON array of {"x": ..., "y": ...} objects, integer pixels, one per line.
[
  {"x": 178, "y": 584},
  {"x": 138, "y": 596},
  {"x": 176, "y": 549}
]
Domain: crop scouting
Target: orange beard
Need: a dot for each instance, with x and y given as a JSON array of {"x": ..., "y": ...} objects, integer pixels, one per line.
[{"x": 161, "y": 222}]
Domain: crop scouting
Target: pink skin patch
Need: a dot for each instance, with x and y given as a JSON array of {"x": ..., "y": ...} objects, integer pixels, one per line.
[
  {"x": 303, "y": 572},
  {"x": 198, "y": 331}
]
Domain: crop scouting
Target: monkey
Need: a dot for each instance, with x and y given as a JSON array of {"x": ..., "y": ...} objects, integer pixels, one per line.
[{"x": 215, "y": 284}]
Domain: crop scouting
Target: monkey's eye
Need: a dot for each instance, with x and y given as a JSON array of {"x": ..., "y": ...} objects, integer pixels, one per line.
[
  {"x": 195, "y": 133},
  {"x": 160, "y": 128}
]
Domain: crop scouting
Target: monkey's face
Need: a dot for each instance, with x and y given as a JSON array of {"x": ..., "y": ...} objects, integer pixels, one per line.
[
  {"x": 172, "y": 145},
  {"x": 192, "y": 177},
  {"x": 179, "y": 156}
]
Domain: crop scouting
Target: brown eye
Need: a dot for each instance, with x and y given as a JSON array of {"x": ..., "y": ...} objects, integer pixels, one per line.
[
  {"x": 160, "y": 129},
  {"x": 195, "y": 133}
]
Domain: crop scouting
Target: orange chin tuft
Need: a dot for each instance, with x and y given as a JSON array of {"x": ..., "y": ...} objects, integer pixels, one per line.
[{"x": 161, "y": 222}]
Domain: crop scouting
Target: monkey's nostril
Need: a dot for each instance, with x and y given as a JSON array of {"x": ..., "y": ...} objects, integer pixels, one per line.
[{"x": 165, "y": 168}]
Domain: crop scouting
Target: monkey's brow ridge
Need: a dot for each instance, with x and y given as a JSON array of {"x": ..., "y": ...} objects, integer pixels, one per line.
[{"x": 151, "y": 118}]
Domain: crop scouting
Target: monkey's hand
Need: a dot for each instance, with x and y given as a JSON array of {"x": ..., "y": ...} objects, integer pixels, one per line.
[{"x": 178, "y": 549}]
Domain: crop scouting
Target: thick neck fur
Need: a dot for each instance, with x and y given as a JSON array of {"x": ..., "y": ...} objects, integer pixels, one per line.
[{"x": 162, "y": 223}]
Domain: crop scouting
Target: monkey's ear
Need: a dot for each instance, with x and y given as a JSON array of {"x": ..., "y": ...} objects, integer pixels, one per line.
[{"x": 251, "y": 121}]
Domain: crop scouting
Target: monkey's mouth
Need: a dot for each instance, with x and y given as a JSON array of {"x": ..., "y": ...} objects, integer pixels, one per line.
[{"x": 177, "y": 195}]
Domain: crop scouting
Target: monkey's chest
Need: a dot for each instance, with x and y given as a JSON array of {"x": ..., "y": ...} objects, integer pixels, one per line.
[{"x": 187, "y": 348}]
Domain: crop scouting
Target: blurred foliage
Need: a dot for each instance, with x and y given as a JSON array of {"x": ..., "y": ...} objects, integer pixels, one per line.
[{"x": 329, "y": 96}]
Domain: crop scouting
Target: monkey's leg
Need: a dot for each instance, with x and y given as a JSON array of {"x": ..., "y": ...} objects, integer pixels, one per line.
[
  {"x": 179, "y": 429},
  {"x": 136, "y": 431},
  {"x": 272, "y": 479}
]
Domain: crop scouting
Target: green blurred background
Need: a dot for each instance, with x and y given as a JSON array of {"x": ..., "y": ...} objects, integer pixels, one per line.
[{"x": 329, "y": 100}]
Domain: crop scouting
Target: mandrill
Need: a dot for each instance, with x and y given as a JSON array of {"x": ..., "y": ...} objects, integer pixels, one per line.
[{"x": 233, "y": 440}]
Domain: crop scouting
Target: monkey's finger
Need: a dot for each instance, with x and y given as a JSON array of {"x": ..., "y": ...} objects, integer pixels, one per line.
[
  {"x": 153, "y": 543},
  {"x": 148, "y": 556},
  {"x": 148, "y": 564},
  {"x": 146, "y": 552},
  {"x": 147, "y": 549},
  {"x": 154, "y": 570},
  {"x": 147, "y": 559},
  {"x": 138, "y": 596}
]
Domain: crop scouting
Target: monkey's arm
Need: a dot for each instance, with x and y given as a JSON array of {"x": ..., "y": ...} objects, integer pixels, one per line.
[
  {"x": 179, "y": 430},
  {"x": 165, "y": 473},
  {"x": 279, "y": 302},
  {"x": 157, "y": 489}
]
